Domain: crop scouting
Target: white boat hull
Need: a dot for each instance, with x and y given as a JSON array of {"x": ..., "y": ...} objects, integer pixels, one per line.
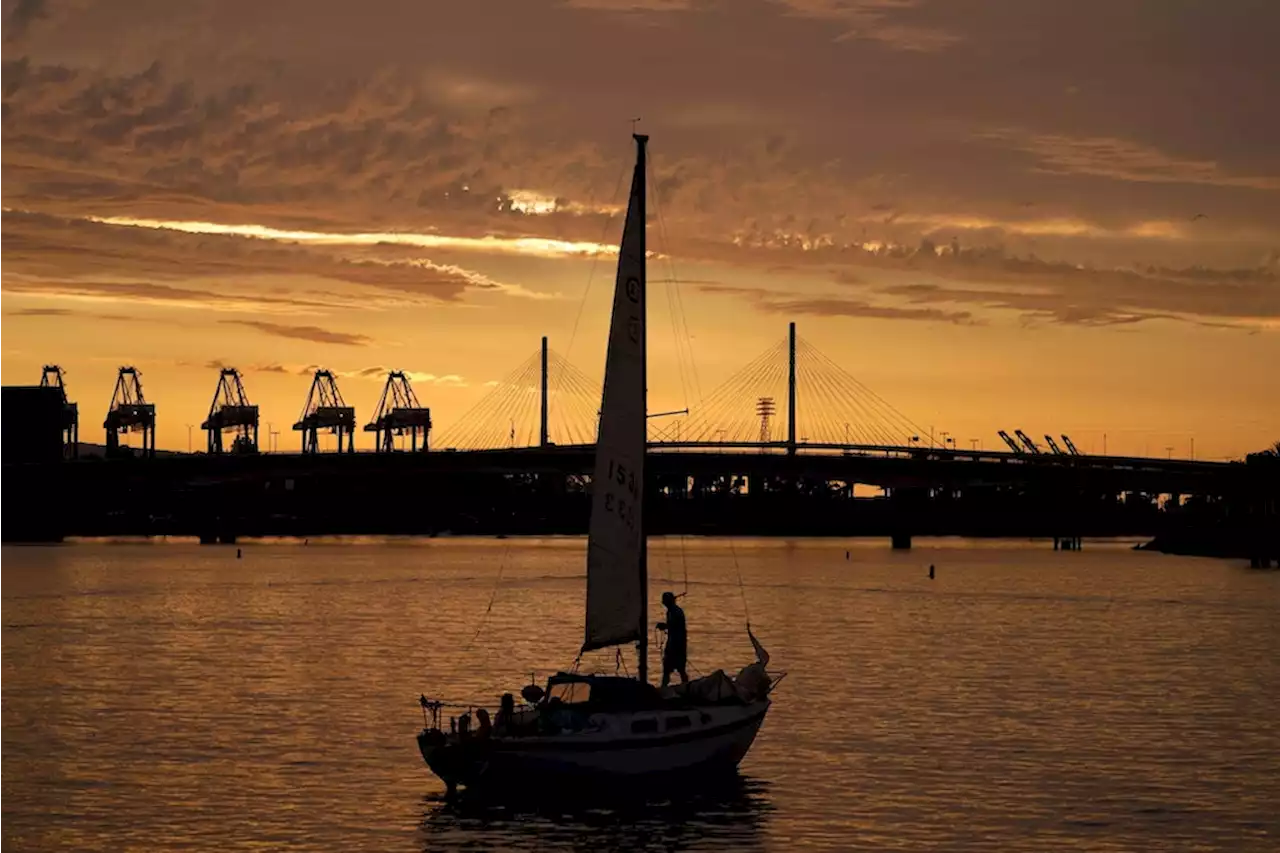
[{"x": 715, "y": 740}]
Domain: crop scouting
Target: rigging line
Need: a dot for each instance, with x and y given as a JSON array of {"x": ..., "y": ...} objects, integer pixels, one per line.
[
  {"x": 684, "y": 560},
  {"x": 595, "y": 260},
  {"x": 493, "y": 595},
  {"x": 742, "y": 590},
  {"x": 679, "y": 319}
]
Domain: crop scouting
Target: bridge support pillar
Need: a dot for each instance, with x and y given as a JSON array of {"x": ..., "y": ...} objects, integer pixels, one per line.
[{"x": 791, "y": 390}]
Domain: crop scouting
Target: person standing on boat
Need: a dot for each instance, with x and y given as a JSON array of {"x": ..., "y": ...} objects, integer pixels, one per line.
[{"x": 676, "y": 651}]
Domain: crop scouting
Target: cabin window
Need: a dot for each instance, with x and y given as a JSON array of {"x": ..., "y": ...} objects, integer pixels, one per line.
[
  {"x": 570, "y": 692},
  {"x": 675, "y": 723},
  {"x": 644, "y": 727}
]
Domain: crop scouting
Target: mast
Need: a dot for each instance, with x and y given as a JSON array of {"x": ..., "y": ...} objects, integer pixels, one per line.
[
  {"x": 617, "y": 564},
  {"x": 642, "y": 647}
]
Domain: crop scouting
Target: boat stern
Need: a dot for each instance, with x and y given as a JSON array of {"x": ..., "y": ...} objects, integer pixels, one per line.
[{"x": 441, "y": 757}]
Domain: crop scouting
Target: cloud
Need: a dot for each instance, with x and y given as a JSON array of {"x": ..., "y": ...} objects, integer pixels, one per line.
[
  {"x": 24, "y": 13},
  {"x": 67, "y": 312},
  {"x": 1123, "y": 160},
  {"x": 632, "y": 5},
  {"x": 41, "y": 312},
  {"x": 779, "y": 302},
  {"x": 314, "y": 334},
  {"x": 438, "y": 137},
  {"x": 1077, "y": 295},
  {"x": 81, "y": 258},
  {"x": 379, "y": 373},
  {"x": 160, "y": 295},
  {"x": 874, "y": 20}
]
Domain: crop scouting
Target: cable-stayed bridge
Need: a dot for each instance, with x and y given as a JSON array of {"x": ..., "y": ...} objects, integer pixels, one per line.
[
  {"x": 776, "y": 448},
  {"x": 790, "y": 397}
]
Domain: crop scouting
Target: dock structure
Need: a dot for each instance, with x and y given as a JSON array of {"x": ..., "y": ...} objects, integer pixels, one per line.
[
  {"x": 231, "y": 410},
  {"x": 52, "y": 377},
  {"x": 399, "y": 414},
  {"x": 130, "y": 412},
  {"x": 325, "y": 409}
]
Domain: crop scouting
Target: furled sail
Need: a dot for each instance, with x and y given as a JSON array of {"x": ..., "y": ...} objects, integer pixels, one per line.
[{"x": 616, "y": 571}]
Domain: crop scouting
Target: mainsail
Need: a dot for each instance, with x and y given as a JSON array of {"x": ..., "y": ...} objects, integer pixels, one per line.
[{"x": 616, "y": 571}]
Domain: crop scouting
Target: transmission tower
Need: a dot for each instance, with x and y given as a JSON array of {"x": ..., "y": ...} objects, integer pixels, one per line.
[
  {"x": 52, "y": 378},
  {"x": 399, "y": 413},
  {"x": 325, "y": 409},
  {"x": 130, "y": 412},
  {"x": 766, "y": 409},
  {"x": 230, "y": 409}
]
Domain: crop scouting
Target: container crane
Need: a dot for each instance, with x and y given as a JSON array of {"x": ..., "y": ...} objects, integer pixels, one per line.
[
  {"x": 399, "y": 413},
  {"x": 230, "y": 410},
  {"x": 1030, "y": 445},
  {"x": 325, "y": 409},
  {"x": 52, "y": 377},
  {"x": 1013, "y": 445},
  {"x": 130, "y": 412}
]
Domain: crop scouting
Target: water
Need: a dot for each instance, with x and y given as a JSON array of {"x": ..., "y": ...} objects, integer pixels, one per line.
[{"x": 170, "y": 696}]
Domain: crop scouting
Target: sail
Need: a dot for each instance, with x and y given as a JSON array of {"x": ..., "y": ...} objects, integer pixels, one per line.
[{"x": 616, "y": 571}]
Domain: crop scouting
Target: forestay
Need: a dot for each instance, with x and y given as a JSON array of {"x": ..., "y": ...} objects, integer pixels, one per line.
[{"x": 616, "y": 545}]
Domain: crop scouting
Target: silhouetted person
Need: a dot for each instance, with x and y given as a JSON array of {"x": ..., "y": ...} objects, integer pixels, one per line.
[
  {"x": 505, "y": 721},
  {"x": 677, "y": 649}
]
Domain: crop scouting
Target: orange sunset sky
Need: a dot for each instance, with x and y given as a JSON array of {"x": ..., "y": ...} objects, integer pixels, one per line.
[{"x": 425, "y": 186}]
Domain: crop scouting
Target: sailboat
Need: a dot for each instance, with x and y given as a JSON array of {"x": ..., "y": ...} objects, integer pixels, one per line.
[{"x": 610, "y": 728}]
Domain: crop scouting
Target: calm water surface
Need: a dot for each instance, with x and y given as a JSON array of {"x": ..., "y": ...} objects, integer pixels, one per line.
[{"x": 170, "y": 696}]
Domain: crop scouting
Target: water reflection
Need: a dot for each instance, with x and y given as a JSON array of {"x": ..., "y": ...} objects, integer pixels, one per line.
[{"x": 731, "y": 814}]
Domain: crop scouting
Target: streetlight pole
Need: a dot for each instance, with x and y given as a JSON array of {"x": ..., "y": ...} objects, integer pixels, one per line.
[
  {"x": 974, "y": 442},
  {"x": 189, "y": 437}
]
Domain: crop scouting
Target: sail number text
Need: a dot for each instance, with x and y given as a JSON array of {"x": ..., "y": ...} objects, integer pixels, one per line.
[{"x": 623, "y": 506}]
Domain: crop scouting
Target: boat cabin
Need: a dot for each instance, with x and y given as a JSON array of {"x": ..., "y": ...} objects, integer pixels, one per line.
[{"x": 602, "y": 692}]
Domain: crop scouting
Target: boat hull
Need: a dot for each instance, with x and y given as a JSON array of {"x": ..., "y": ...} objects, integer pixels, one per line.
[{"x": 614, "y": 756}]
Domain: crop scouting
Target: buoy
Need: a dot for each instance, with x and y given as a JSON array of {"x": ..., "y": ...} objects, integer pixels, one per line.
[
  {"x": 237, "y": 553},
  {"x": 931, "y": 571}
]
